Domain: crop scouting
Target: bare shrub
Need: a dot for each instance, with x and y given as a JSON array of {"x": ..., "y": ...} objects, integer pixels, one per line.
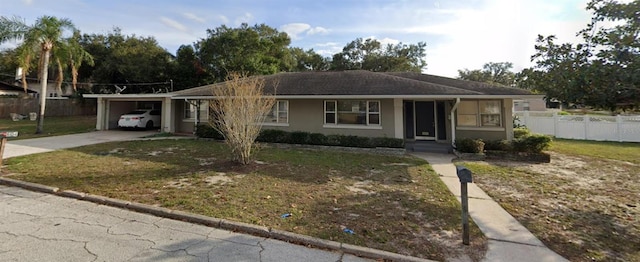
[{"x": 239, "y": 111}]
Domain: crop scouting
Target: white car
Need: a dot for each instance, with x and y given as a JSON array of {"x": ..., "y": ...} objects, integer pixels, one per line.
[{"x": 141, "y": 118}]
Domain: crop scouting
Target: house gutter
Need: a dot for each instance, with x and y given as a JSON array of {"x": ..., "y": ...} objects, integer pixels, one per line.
[{"x": 453, "y": 122}]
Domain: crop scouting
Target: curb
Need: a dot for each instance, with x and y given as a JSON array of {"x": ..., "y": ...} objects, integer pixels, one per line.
[{"x": 218, "y": 223}]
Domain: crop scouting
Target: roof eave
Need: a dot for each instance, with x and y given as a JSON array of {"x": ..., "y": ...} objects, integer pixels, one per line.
[{"x": 379, "y": 97}]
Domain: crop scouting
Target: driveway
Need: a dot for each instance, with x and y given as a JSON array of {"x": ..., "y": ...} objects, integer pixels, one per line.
[{"x": 47, "y": 144}]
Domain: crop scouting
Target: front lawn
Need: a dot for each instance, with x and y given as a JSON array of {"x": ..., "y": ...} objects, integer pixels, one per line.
[
  {"x": 53, "y": 126},
  {"x": 584, "y": 204},
  {"x": 393, "y": 203}
]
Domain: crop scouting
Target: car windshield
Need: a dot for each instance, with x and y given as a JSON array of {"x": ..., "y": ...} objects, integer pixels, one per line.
[{"x": 136, "y": 112}]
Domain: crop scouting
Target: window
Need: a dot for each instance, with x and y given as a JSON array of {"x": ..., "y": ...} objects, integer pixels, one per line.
[
  {"x": 352, "y": 112},
  {"x": 190, "y": 108},
  {"x": 279, "y": 113},
  {"x": 483, "y": 113}
]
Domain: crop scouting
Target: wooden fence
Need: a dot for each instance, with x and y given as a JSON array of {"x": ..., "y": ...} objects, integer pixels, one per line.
[
  {"x": 587, "y": 127},
  {"x": 54, "y": 107}
]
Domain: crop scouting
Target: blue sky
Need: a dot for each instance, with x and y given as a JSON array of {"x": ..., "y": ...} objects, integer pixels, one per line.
[{"x": 459, "y": 34}]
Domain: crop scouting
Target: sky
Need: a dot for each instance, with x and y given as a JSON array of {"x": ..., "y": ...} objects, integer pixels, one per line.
[{"x": 460, "y": 34}]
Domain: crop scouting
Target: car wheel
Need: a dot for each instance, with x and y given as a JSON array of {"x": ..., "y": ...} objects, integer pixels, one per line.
[{"x": 149, "y": 124}]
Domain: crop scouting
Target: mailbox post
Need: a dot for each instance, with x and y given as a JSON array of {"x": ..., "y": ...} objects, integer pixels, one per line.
[
  {"x": 3, "y": 141},
  {"x": 465, "y": 177}
]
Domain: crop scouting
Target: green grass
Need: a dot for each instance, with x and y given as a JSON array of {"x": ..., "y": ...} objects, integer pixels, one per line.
[
  {"x": 629, "y": 152},
  {"x": 53, "y": 126},
  {"x": 583, "y": 205},
  {"x": 401, "y": 204}
]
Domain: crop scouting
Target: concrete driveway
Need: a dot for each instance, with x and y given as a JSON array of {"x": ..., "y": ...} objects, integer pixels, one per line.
[{"x": 47, "y": 144}]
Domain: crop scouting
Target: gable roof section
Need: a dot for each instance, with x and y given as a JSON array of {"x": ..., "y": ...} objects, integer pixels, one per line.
[{"x": 361, "y": 83}]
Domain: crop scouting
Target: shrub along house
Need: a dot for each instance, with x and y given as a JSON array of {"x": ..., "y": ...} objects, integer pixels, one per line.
[{"x": 410, "y": 106}]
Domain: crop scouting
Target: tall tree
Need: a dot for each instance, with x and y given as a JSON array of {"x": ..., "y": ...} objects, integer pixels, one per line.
[
  {"x": 601, "y": 72},
  {"x": 494, "y": 73},
  {"x": 370, "y": 54},
  {"x": 187, "y": 70},
  {"x": 309, "y": 60},
  {"x": 45, "y": 34},
  {"x": 254, "y": 50},
  {"x": 122, "y": 59}
]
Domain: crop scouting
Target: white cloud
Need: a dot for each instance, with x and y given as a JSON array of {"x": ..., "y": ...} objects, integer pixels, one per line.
[
  {"x": 318, "y": 30},
  {"x": 223, "y": 19},
  {"x": 328, "y": 49},
  {"x": 294, "y": 29},
  {"x": 194, "y": 17},
  {"x": 385, "y": 41},
  {"x": 174, "y": 24},
  {"x": 245, "y": 18},
  {"x": 27, "y": 2}
]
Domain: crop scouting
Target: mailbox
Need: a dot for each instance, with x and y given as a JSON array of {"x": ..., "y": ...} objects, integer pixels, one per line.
[{"x": 464, "y": 174}]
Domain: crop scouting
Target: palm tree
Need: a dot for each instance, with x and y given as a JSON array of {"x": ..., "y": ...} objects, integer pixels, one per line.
[
  {"x": 45, "y": 34},
  {"x": 77, "y": 55}
]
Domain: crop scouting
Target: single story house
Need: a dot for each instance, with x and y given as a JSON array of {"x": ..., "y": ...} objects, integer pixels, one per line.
[{"x": 410, "y": 106}]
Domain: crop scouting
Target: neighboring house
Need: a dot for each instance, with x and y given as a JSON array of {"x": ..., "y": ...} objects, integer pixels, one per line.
[
  {"x": 533, "y": 104},
  {"x": 409, "y": 106},
  {"x": 7, "y": 89}
]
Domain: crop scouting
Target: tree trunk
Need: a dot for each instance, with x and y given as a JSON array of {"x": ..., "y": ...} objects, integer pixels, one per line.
[{"x": 43, "y": 91}]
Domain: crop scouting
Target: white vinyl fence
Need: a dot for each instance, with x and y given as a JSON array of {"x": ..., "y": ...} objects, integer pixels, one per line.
[{"x": 588, "y": 127}]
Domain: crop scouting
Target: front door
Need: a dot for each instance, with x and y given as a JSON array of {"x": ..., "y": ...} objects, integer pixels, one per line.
[{"x": 425, "y": 120}]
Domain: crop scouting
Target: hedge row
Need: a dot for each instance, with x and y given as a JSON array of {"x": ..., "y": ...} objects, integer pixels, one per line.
[
  {"x": 524, "y": 141},
  {"x": 306, "y": 138}
]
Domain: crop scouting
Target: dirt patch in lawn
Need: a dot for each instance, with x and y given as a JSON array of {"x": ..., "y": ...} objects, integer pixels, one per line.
[
  {"x": 392, "y": 203},
  {"x": 584, "y": 208}
]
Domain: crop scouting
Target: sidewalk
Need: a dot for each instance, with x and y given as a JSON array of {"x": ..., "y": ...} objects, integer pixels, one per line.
[{"x": 508, "y": 239}]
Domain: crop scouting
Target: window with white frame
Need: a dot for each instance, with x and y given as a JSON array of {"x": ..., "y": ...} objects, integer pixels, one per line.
[
  {"x": 279, "y": 113},
  {"x": 352, "y": 112},
  {"x": 191, "y": 107},
  {"x": 480, "y": 113}
]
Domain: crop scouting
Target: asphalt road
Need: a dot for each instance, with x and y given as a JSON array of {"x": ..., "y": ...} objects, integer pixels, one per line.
[{"x": 43, "y": 227}]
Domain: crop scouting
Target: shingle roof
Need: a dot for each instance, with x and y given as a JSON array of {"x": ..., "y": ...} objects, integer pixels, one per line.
[
  {"x": 9, "y": 87},
  {"x": 484, "y": 88},
  {"x": 364, "y": 83}
]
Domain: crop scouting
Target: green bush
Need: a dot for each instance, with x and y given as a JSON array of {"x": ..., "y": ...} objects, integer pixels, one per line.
[
  {"x": 387, "y": 142},
  {"x": 207, "y": 131},
  {"x": 521, "y": 132},
  {"x": 333, "y": 140},
  {"x": 535, "y": 143},
  {"x": 468, "y": 145},
  {"x": 498, "y": 145},
  {"x": 355, "y": 141},
  {"x": 273, "y": 136},
  {"x": 299, "y": 137},
  {"x": 317, "y": 139}
]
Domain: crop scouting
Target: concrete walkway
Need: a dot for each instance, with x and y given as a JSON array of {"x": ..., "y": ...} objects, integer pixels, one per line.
[{"x": 508, "y": 239}]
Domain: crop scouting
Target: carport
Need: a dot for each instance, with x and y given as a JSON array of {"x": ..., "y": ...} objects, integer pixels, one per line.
[{"x": 111, "y": 106}]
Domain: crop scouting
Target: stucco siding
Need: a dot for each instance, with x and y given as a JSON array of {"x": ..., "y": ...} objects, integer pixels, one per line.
[{"x": 308, "y": 115}]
